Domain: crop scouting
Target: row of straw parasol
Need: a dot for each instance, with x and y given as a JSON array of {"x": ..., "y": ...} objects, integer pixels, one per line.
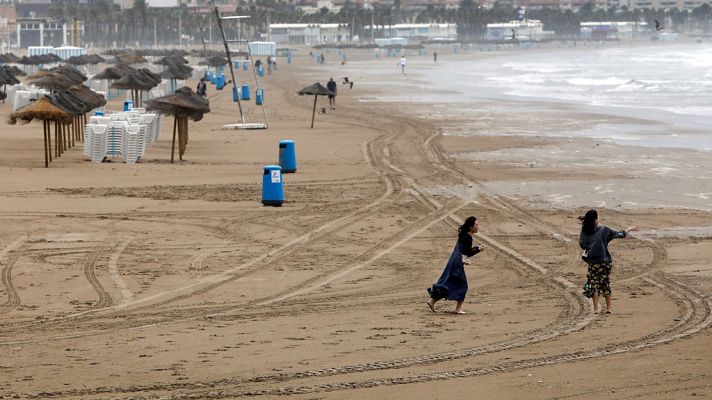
[{"x": 65, "y": 108}]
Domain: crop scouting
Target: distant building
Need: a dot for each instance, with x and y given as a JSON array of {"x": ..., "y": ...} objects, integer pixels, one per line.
[
  {"x": 610, "y": 30},
  {"x": 320, "y": 4},
  {"x": 415, "y": 33},
  {"x": 8, "y": 26},
  {"x": 530, "y": 29},
  {"x": 310, "y": 34}
]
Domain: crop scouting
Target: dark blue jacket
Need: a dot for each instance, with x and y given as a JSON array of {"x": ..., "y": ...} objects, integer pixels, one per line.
[{"x": 596, "y": 244}]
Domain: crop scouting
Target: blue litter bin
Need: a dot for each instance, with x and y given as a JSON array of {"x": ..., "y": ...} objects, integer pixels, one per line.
[
  {"x": 245, "y": 92},
  {"x": 272, "y": 189},
  {"x": 261, "y": 71},
  {"x": 287, "y": 156},
  {"x": 99, "y": 113},
  {"x": 259, "y": 98},
  {"x": 220, "y": 82},
  {"x": 128, "y": 105},
  {"x": 245, "y": 65},
  {"x": 213, "y": 78},
  {"x": 235, "y": 94},
  {"x": 208, "y": 76}
]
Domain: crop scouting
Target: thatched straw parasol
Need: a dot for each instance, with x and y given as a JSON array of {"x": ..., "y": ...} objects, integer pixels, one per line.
[
  {"x": 6, "y": 78},
  {"x": 173, "y": 59},
  {"x": 50, "y": 81},
  {"x": 129, "y": 58},
  {"x": 182, "y": 104},
  {"x": 316, "y": 90},
  {"x": 94, "y": 58},
  {"x": 47, "y": 112},
  {"x": 137, "y": 82},
  {"x": 76, "y": 60},
  {"x": 14, "y": 70},
  {"x": 73, "y": 74},
  {"x": 8, "y": 58},
  {"x": 214, "y": 61}
]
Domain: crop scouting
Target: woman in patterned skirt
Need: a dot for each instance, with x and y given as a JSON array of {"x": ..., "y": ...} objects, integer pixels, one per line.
[{"x": 594, "y": 241}]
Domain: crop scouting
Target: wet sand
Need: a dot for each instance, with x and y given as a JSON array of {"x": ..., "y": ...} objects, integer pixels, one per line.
[{"x": 160, "y": 280}]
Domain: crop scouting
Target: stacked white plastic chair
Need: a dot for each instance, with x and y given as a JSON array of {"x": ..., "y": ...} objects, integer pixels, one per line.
[
  {"x": 135, "y": 143},
  {"x": 116, "y": 138},
  {"x": 125, "y": 135},
  {"x": 95, "y": 141}
]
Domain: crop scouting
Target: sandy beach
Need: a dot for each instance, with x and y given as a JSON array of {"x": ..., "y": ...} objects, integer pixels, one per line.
[{"x": 172, "y": 281}]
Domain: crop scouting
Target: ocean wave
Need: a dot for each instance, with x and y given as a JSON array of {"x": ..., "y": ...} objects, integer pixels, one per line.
[
  {"x": 635, "y": 85},
  {"x": 611, "y": 81}
]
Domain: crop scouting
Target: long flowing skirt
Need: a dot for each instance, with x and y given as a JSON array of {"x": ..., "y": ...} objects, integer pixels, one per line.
[{"x": 452, "y": 284}]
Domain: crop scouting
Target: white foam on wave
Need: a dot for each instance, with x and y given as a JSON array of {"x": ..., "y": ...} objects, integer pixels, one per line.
[{"x": 610, "y": 81}]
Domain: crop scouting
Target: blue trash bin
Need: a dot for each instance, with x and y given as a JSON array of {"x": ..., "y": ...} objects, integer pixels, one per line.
[
  {"x": 128, "y": 105},
  {"x": 99, "y": 113},
  {"x": 220, "y": 82},
  {"x": 259, "y": 97},
  {"x": 213, "y": 78},
  {"x": 287, "y": 156},
  {"x": 261, "y": 71},
  {"x": 245, "y": 92},
  {"x": 235, "y": 94},
  {"x": 272, "y": 189},
  {"x": 245, "y": 65}
]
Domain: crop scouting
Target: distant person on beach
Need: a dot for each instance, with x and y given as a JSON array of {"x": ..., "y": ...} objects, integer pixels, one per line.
[
  {"x": 331, "y": 85},
  {"x": 594, "y": 241},
  {"x": 452, "y": 284},
  {"x": 435, "y": 56},
  {"x": 346, "y": 81},
  {"x": 402, "y": 63},
  {"x": 322, "y": 59},
  {"x": 202, "y": 88},
  {"x": 258, "y": 63}
]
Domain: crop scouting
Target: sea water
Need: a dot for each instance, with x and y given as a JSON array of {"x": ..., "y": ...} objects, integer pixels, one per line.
[{"x": 664, "y": 91}]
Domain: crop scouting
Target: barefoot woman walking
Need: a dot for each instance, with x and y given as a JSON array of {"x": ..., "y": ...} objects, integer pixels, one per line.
[
  {"x": 452, "y": 284},
  {"x": 594, "y": 240}
]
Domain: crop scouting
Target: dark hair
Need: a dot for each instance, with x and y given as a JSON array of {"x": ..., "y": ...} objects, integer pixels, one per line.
[
  {"x": 469, "y": 223},
  {"x": 588, "y": 222}
]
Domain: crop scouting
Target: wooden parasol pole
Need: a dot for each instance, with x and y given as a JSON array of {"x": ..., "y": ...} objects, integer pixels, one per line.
[
  {"x": 46, "y": 138},
  {"x": 173, "y": 146},
  {"x": 49, "y": 139},
  {"x": 56, "y": 140},
  {"x": 314, "y": 111}
]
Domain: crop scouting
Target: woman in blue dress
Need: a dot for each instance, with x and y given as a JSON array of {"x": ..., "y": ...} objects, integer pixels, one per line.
[{"x": 452, "y": 284}]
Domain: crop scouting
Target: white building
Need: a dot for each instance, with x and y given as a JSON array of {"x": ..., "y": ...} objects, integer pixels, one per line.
[
  {"x": 415, "y": 33},
  {"x": 310, "y": 34},
  {"x": 530, "y": 29},
  {"x": 320, "y": 4},
  {"x": 609, "y": 30}
]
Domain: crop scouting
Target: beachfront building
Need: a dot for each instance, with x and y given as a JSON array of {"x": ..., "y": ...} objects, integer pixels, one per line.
[
  {"x": 414, "y": 33},
  {"x": 8, "y": 22},
  {"x": 321, "y": 4},
  {"x": 530, "y": 29},
  {"x": 310, "y": 34},
  {"x": 609, "y": 30}
]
